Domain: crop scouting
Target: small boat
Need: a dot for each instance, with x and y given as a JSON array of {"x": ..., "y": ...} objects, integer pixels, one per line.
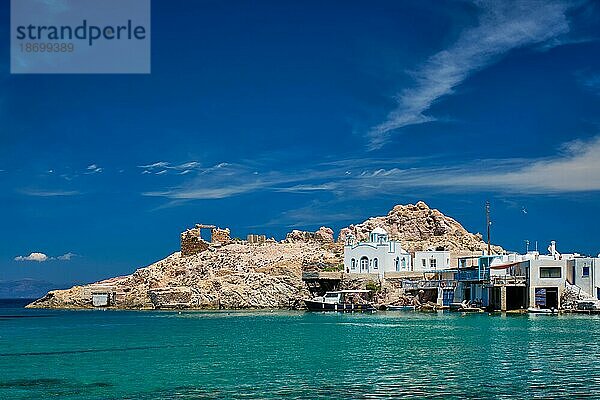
[
  {"x": 471, "y": 309},
  {"x": 536, "y": 310},
  {"x": 399, "y": 308},
  {"x": 341, "y": 300},
  {"x": 465, "y": 306}
]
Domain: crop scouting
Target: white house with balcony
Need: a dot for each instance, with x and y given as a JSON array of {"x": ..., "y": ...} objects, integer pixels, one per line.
[{"x": 378, "y": 255}]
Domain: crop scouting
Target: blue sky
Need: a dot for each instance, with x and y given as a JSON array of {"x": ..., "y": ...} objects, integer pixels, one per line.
[{"x": 269, "y": 116}]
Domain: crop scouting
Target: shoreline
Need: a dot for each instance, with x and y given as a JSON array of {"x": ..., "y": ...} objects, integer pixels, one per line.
[{"x": 279, "y": 310}]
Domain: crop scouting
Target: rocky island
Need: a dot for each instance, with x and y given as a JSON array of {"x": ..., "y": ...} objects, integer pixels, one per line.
[{"x": 226, "y": 273}]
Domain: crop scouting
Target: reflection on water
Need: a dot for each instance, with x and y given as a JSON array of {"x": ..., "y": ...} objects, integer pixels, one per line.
[{"x": 257, "y": 355}]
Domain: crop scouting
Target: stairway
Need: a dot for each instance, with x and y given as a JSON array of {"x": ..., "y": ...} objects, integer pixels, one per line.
[{"x": 578, "y": 292}]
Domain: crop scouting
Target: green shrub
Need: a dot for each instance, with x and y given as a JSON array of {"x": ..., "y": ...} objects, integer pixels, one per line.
[{"x": 373, "y": 287}]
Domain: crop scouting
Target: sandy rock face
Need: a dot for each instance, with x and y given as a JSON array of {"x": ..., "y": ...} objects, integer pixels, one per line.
[
  {"x": 232, "y": 276},
  {"x": 419, "y": 227},
  {"x": 323, "y": 235}
]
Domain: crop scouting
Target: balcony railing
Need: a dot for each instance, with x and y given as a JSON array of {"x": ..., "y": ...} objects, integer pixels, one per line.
[
  {"x": 508, "y": 280},
  {"x": 472, "y": 275},
  {"x": 429, "y": 284}
]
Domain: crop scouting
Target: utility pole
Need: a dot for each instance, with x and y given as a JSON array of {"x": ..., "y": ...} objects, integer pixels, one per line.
[
  {"x": 526, "y": 246},
  {"x": 488, "y": 224}
]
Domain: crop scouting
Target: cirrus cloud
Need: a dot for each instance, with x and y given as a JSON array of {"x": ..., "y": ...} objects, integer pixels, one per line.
[{"x": 502, "y": 27}]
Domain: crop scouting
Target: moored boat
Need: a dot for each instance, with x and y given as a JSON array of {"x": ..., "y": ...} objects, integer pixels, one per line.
[
  {"x": 535, "y": 310},
  {"x": 388, "y": 307},
  {"x": 341, "y": 300},
  {"x": 464, "y": 306}
]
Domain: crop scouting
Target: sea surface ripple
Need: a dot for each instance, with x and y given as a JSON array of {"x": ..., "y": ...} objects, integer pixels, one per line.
[{"x": 299, "y": 355}]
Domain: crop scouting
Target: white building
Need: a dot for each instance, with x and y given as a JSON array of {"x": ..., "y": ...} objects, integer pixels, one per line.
[
  {"x": 376, "y": 256},
  {"x": 431, "y": 260},
  {"x": 586, "y": 275},
  {"x": 547, "y": 275}
]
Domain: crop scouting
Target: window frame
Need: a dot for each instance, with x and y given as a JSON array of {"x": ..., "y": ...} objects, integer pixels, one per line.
[
  {"x": 547, "y": 272},
  {"x": 432, "y": 263}
]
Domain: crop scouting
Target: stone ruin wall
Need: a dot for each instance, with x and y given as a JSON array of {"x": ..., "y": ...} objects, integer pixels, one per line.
[
  {"x": 170, "y": 297},
  {"x": 220, "y": 236},
  {"x": 192, "y": 243},
  {"x": 256, "y": 239}
]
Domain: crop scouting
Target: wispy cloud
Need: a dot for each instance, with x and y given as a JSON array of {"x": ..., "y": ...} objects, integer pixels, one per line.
[
  {"x": 93, "y": 169},
  {"x": 590, "y": 82},
  {"x": 49, "y": 192},
  {"x": 574, "y": 168},
  {"x": 66, "y": 257},
  {"x": 163, "y": 167},
  {"x": 159, "y": 164},
  {"x": 307, "y": 188},
  {"x": 315, "y": 213},
  {"x": 227, "y": 179},
  {"x": 502, "y": 26}
]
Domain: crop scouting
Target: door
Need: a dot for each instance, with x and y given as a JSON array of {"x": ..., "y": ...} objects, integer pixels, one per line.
[
  {"x": 364, "y": 265},
  {"x": 448, "y": 297},
  {"x": 552, "y": 297}
]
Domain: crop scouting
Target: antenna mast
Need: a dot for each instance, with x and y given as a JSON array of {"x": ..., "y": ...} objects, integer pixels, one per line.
[{"x": 488, "y": 224}]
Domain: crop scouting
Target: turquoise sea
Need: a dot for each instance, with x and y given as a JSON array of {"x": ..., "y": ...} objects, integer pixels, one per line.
[{"x": 262, "y": 355}]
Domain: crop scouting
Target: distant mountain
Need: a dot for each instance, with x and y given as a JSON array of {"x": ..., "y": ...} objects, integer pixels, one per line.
[{"x": 25, "y": 288}]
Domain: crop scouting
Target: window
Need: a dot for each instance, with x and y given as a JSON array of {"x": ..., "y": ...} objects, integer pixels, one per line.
[
  {"x": 353, "y": 264},
  {"x": 375, "y": 263},
  {"x": 424, "y": 263},
  {"x": 586, "y": 271},
  {"x": 550, "y": 272},
  {"x": 433, "y": 263}
]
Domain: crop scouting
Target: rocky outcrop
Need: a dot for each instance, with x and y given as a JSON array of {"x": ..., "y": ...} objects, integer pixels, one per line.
[
  {"x": 323, "y": 235},
  {"x": 297, "y": 236},
  {"x": 261, "y": 273},
  {"x": 419, "y": 227},
  {"x": 231, "y": 276}
]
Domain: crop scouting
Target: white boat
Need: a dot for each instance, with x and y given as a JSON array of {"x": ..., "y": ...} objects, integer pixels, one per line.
[
  {"x": 535, "y": 310},
  {"x": 399, "y": 308},
  {"x": 341, "y": 300}
]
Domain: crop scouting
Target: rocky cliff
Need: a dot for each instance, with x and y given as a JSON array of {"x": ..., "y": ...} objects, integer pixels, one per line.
[
  {"x": 265, "y": 275},
  {"x": 419, "y": 227}
]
